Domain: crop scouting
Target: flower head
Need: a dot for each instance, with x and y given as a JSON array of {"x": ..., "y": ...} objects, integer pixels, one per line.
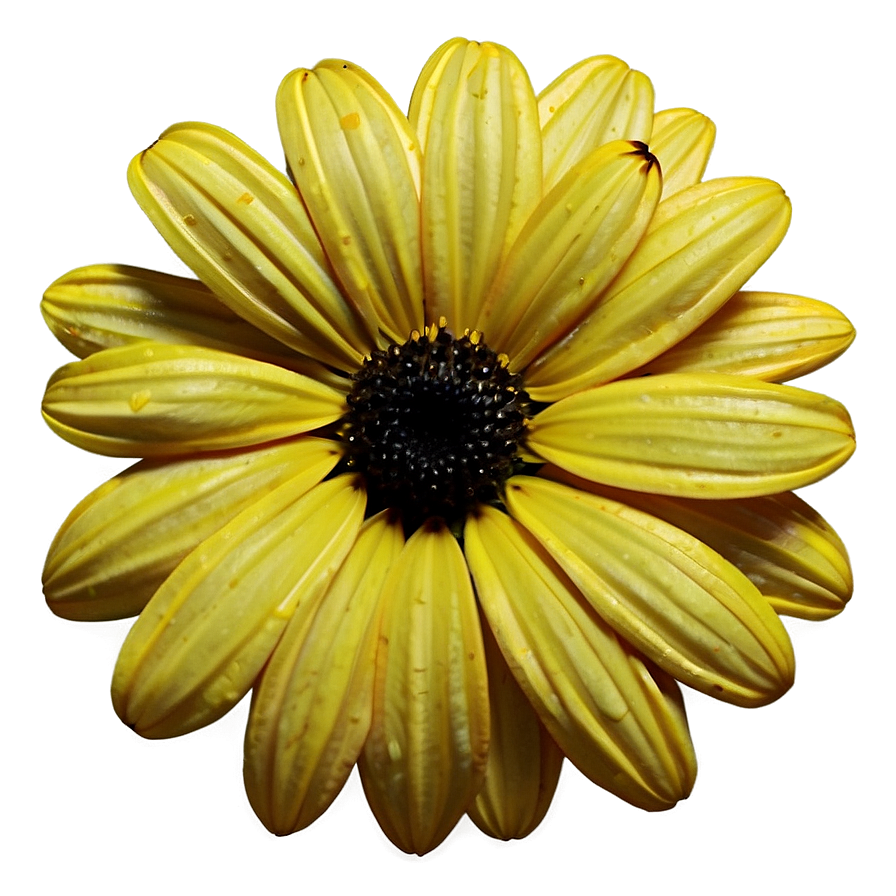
[{"x": 462, "y": 452}]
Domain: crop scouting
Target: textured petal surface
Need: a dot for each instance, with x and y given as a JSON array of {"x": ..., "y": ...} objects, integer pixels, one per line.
[
  {"x": 767, "y": 335},
  {"x": 425, "y": 756},
  {"x": 524, "y": 761},
  {"x": 682, "y": 140},
  {"x": 474, "y": 111},
  {"x": 108, "y": 305},
  {"x": 150, "y": 399},
  {"x": 570, "y": 249},
  {"x": 701, "y": 247},
  {"x": 789, "y": 552},
  {"x": 240, "y": 225},
  {"x": 311, "y": 710},
  {"x": 356, "y": 162},
  {"x": 699, "y": 436},
  {"x": 596, "y": 101},
  {"x": 620, "y": 726},
  {"x": 124, "y": 539},
  {"x": 200, "y": 643},
  {"x": 680, "y": 603}
]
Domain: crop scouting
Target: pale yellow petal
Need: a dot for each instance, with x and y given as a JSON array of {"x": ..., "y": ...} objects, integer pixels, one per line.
[
  {"x": 311, "y": 709},
  {"x": 596, "y": 101},
  {"x": 576, "y": 241},
  {"x": 767, "y": 335},
  {"x": 682, "y": 140},
  {"x": 425, "y": 756},
  {"x": 240, "y": 225},
  {"x": 150, "y": 400},
  {"x": 701, "y": 247},
  {"x": 474, "y": 112},
  {"x": 789, "y": 552},
  {"x": 674, "y": 599},
  {"x": 107, "y": 305},
  {"x": 695, "y": 435},
  {"x": 125, "y": 538},
  {"x": 619, "y": 725},
  {"x": 356, "y": 163},
  {"x": 199, "y": 645},
  {"x": 523, "y": 760}
]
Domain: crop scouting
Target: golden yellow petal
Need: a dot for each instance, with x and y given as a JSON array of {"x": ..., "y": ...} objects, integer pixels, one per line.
[
  {"x": 150, "y": 400},
  {"x": 594, "y": 102},
  {"x": 425, "y": 756},
  {"x": 524, "y": 761},
  {"x": 682, "y": 140},
  {"x": 619, "y": 725},
  {"x": 701, "y": 247},
  {"x": 125, "y": 538},
  {"x": 107, "y": 305},
  {"x": 356, "y": 162},
  {"x": 240, "y": 225},
  {"x": 789, "y": 552},
  {"x": 474, "y": 112},
  {"x": 311, "y": 709},
  {"x": 677, "y": 601},
  {"x": 767, "y": 335},
  {"x": 196, "y": 649},
  {"x": 572, "y": 246},
  {"x": 695, "y": 435}
]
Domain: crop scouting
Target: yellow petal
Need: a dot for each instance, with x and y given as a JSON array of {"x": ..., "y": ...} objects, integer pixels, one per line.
[
  {"x": 789, "y": 552},
  {"x": 124, "y": 539},
  {"x": 311, "y": 710},
  {"x": 108, "y": 305},
  {"x": 523, "y": 760},
  {"x": 701, "y": 247},
  {"x": 240, "y": 225},
  {"x": 767, "y": 335},
  {"x": 203, "y": 638},
  {"x": 665, "y": 592},
  {"x": 356, "y": 162},
  {"x": 150, "y": 400},
  {"x": 620, "y": 726},
  {"x": 596, "y": 101},
  {"x": 695, "y": 435},
  {"x": 579, "y": 237},
  {"x": 474, "y": 111},
  {"x": 682, "y": 140},
  {"x": 425, "y": 756}
]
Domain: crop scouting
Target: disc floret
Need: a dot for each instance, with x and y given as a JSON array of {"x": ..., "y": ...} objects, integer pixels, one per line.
[{"x": 435, "y": 424}]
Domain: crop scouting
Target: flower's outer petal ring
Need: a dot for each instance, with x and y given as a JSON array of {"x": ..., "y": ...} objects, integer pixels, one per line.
[
  {"x": 425, "y": 756},
  {"x": 108, "y": 305},
  {"x": 199, "y": 645},
  {"x": 240, "y": 225},
  {"x": 767, "y": 335},
  {"x": 151, "y": 400},
  {"x": 311, "y": 709},
  {"x": 524, "y": 761},
  {"x": 789, "y": 552},
  {"x": 623, "y": 729},
  {"x": 125, "y": 538},
  {"x": 596, "y": 101},
  {"x": 682, "y": 140},
  {"x": 695, "y": 435},
  {"x": 700, "y": 248},
  {"x": 570, "y": 249},
  {"x": 674, "y": 599},
  {"x": 474, "y": 111},
  {"x": 356, "y": 163}
]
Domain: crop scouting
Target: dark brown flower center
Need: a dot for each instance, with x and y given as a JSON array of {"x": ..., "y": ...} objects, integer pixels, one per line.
[{"x": 434, "y": 425}]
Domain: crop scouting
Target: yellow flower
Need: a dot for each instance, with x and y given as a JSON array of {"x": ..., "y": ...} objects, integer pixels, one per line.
[{"x": 462, "y": 452}]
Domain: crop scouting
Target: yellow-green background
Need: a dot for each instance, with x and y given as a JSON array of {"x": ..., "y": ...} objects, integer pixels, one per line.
[{"x": 793, "y": 798}]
